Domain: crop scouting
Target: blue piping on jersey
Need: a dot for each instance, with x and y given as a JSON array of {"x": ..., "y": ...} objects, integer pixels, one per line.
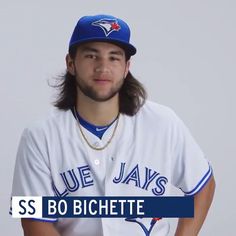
[
  {"x": 202, "y": 182},
  {"x": 44, "y": 220}
]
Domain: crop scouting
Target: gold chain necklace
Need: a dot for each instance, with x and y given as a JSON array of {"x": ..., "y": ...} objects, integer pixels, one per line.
[{"x": 86, "y": 140}]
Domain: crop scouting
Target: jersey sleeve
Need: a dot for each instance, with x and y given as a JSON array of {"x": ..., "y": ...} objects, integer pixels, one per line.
[
  {"x": 32, "y": 170},
  {"x": 190, "y": 168}
]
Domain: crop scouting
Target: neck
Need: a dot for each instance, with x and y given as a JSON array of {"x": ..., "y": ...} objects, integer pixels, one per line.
[{"x": 98, "y": 113}]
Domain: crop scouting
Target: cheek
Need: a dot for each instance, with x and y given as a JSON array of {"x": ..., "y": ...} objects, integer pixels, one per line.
[
  {"x": 83, "y": 70},
  {"x": 120, "y": 70}
]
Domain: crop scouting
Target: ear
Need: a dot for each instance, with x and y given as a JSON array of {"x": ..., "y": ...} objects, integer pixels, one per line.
[
  {"x": 70, "y": 65},
  {"x": 127, "y": 67}
]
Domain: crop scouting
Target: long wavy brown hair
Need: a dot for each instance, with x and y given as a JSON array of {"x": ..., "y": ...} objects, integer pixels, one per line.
[{"x": 132, "y": 94}]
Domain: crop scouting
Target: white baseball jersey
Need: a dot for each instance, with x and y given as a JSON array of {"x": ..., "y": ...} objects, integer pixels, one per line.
[{"x": 150, "y": 152}]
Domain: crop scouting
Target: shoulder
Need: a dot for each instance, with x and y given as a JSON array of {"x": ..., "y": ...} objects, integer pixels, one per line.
[
  {"x": 55, "y": 120},
  {"x": 157, "y": 112}
]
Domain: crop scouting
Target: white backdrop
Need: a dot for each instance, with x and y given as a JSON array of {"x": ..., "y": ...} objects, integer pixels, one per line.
[{"x": 186, "y": 59}]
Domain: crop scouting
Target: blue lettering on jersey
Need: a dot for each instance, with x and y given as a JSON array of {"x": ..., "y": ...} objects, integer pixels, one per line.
[
  {"x": 118, "y": 180},
  {"x": 58, "y": 193},
  {"x": 143, "y": 178},
  {"x": 85, "y": 175},
  {"x": 133, "y": 176},
  {"x": 160, "y": 183},
  {"x": 73, "y": 181},
  {"x": 149, "y": 177}
]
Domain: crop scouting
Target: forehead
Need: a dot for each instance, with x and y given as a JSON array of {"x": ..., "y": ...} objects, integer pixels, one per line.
[{"x": 101, "y": 47}]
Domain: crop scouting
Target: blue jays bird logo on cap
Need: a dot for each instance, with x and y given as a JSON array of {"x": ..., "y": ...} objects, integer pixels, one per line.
[{"x": 107, "y": 25}]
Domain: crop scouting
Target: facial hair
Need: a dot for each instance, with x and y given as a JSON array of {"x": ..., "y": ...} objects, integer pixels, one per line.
[{"x": 91, "y": 92}]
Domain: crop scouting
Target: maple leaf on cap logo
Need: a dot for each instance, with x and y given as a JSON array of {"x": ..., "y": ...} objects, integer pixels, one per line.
[{"x": 115, "y": 26}]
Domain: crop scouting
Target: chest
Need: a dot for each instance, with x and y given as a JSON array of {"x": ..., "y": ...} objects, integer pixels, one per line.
[{"x": 129, "y": 166}]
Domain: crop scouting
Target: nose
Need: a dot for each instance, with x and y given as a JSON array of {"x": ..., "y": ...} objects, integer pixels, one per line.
[{"x": 102, "y": 66}]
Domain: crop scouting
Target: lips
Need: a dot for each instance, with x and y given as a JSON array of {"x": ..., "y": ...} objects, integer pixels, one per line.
[{"x": 102, "y": 80}]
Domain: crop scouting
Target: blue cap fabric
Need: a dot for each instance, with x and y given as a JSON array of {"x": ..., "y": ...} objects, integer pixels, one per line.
[{"x": 103, "y": 28}]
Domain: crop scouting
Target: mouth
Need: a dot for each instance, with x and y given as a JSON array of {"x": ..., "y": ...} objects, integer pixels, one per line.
[{"x": 102, "y": 81}]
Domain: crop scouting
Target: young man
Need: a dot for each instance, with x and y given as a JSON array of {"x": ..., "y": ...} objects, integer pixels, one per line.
[{"x": 106, "y": 139}]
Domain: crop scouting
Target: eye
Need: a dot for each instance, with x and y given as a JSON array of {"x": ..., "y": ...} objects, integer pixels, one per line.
[
  {"x": 91, "y": 56},
  {"x": 115, "y": 59}
]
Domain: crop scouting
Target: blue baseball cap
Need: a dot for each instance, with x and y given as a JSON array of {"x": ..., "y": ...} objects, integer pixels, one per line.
[{"x": 104, "y": 28}]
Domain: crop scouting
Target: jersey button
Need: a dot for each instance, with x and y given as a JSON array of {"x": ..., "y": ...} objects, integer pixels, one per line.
[
  {"x": 96, "y": 144},
  {"x": 96, "y": 162}
]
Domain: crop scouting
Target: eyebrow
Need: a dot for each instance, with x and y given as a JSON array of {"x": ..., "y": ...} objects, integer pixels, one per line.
[
  {"x": 91, "y": 49},
  {"x": 88, "y": 49}
]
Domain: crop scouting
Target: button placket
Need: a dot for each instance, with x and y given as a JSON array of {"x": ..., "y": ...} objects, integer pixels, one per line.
[
  {"x": 96, "y": 162},
  {"x": 96, "y": 144}
]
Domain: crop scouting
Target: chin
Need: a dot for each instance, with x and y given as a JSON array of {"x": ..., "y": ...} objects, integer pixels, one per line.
[{"x": 104, "y": 98}]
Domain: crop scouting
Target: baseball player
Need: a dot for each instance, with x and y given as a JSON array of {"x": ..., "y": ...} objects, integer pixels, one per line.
[{"x": 106, "y": 139}]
